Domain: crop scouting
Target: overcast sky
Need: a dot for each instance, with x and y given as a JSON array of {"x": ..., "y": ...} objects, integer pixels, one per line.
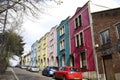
[{"x": 35, "y": 29}]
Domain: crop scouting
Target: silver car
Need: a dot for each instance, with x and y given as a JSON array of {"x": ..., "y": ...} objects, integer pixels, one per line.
[{"x": 34, "y": 69}]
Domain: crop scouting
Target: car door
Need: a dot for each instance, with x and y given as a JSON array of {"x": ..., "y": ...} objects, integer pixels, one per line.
[
  {"x": 63, "y": 72},
  {"x": 58, "y": 74}
]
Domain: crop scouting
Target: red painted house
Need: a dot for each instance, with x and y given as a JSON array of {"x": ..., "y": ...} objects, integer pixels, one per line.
[{"x": 81, "y": 45}]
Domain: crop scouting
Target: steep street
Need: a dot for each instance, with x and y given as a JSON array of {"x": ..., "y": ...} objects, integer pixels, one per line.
[{"x": 22, "y": 74}]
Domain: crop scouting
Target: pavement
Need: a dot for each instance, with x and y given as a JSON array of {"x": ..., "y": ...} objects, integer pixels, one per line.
[{"x": 8, "y": 75}]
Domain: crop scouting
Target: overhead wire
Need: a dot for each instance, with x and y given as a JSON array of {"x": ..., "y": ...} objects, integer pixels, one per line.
[{"x": 99, "y": 5}]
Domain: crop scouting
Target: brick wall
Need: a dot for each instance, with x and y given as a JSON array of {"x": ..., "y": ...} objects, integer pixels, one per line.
[{"x": 107, "y": 20}]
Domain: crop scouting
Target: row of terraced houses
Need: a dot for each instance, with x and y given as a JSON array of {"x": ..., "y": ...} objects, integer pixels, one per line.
[{"x": 90, "y": 41}]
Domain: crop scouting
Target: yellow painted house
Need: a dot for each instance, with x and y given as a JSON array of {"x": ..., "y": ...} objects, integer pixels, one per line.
[
  {"x": 39, "y": 55},
  {"x": 43, "y": 52}
]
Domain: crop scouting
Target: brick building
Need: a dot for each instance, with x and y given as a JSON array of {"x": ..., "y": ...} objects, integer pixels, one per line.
[{"x": 106, "y": 27}]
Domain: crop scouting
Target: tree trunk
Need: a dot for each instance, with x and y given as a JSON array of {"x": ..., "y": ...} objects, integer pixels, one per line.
[
  {"x": 3, "y": 66},
  {"x": 3, "y": 61}
]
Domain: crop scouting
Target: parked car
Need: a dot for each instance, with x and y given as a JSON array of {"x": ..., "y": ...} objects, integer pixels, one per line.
[
  {"x": 28, "y": 68},
  {"x": 68, "y": 73},
  {"x": 49, "y": 70},
  {"x": 23, "y": 66},
  {"x": 34, "y": 69}
]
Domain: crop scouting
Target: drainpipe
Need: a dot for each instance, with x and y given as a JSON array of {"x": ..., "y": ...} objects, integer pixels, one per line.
[{"x": 93, "y": 42}]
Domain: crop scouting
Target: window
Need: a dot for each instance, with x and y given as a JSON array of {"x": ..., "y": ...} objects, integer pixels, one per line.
[
  {"x": 51, "y": 36},
  {"x": 62, "y": 30},
  {"x": 83, "y": 59},
  {"x": 62, "y": 44},
  {"x": 118, "y": 30},
  {"x": 79, "y": 39},
  {"x": 51, "y": 47},
  {"x": 78, "y": 22},
  {"x": 52, "y": 60},
  {"x": 38, "y": 58},
  {"x": 105, "y": 37}
]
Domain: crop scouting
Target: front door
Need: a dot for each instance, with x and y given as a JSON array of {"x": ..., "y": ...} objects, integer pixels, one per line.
[
  {"x": 63, "y": 60},
  {"x": 108, "y": 66},
  {"x": 71, "y": 60}
]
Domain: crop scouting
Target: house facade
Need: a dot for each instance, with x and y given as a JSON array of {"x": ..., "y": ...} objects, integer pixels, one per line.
[
  {"x": 27, "y": 59},
  {"x": 52, "y": 49},
  {"x": 44, "y": 52},
  {"x": 32, "y": 62},
  {"x": 36, "y": 53},
  {"x": 106, "y": 27},
  {"x": 41, "y": 63},
  {"x": 39, "y": 53},
  {"x": 81, "y": 43},
  {"x": 63, "y": 49}
]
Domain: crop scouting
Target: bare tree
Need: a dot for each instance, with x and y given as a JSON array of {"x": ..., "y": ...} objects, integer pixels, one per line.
[
  {"x": 11, "y": 17},
  {"x": 16, "y": 9}
]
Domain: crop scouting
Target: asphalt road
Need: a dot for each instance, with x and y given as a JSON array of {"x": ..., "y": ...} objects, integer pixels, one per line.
[{"x": 22, "y": 74}]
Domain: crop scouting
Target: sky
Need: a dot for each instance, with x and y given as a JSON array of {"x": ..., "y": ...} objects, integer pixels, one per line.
[{"x": 34, "y": 29}]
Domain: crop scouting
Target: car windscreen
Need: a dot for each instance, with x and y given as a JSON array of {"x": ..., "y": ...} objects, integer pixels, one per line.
[
  {"x": 55, "y": 68},
  {"x": 74, "y": 69},
  {"x": 34, "y": 67}
]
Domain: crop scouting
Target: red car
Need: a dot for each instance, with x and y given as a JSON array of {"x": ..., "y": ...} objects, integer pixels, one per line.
[{"x": 68, "y": 73}]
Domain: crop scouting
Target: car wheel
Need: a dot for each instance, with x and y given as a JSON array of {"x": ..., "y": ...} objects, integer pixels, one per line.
[
  {"x": 54, "y": 77},
  {"x": 48, "y": 75},
  {"x": 64, "y": 78}
]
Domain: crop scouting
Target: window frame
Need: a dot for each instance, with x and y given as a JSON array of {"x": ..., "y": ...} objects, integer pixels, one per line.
[
  {"x": 105, "y": 38},
  {"x": 79, "y": 39},
  {"x": 82, "y": 61},
  {"x": 118, "y": 33},
  {"x": 62, "y": 30},
  {"x": 78, "y": 21},
  {"x": 62, "y": 44}
]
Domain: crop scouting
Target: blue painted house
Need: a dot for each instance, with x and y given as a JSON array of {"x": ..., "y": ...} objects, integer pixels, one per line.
[
  {"x": 32, "y": 56},
  {"x": 63, "y": 52}
]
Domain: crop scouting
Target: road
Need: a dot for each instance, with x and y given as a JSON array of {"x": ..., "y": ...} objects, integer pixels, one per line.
[{"x": 22, "y": 74}]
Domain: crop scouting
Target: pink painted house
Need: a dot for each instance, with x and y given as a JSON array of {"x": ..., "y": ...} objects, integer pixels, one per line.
[
  {"x": 81, "y": 46},
  {"x": 52, "y": 49}
]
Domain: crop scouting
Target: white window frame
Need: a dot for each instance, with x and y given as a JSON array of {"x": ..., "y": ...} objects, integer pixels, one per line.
[
  {"x": 79, "y": 37},
  {"x": 75, "y": 27},
  {"x": 104, "y": 36},
  {"x": 78, "y": 22},
  {"x": 62, "y": 44},
  {"x": 117, "y": 25},
  {"x": 81, "y": 65},
  {"x": 62, "y": 30}
]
